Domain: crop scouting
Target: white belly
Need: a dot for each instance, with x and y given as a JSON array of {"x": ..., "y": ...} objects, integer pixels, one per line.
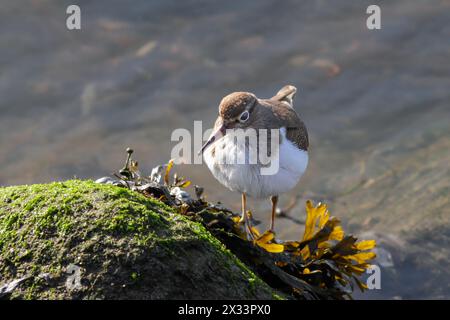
[{"x": 248, "y": 178}]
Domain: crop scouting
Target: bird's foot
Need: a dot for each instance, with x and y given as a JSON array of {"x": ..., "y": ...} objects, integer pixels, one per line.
[{"x": 245, "y": 221}]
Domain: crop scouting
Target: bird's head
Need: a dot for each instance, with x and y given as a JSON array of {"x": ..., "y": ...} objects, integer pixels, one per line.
[{"x": 235, "y": 112}]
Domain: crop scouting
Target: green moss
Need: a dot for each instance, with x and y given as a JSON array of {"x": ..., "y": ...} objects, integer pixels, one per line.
[
  {"x": 134, "y": 276},
  {"x": 276, "y": 296},
  {"x": 106, "y": 229},
  {"x": 33, "y": 203}
]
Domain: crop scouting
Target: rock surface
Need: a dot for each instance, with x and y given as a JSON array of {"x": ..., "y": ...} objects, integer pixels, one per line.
[{"x": 82, "y": 240}]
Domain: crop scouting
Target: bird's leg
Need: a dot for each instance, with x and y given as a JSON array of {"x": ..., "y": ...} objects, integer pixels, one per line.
[
  {"x": 245, "y": 218},
  {"x": 244, "y": 208},
  {"x": 274, "y": 200}
]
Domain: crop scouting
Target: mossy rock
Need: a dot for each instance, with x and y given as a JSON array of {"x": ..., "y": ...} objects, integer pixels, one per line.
[{"x": 121, "y": 244}]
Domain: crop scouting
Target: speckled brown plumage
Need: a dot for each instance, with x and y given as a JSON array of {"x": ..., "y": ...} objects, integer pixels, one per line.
[
  {"x": 235, "y": 103},
  {"x": 273, "y": 113}
]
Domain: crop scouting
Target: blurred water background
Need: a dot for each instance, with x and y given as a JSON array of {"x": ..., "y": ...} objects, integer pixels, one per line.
[{"x": 376, "y": 104}]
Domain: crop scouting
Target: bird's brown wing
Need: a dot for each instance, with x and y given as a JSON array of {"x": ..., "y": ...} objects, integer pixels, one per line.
[
  {"x": 284, "y": 116},
  {"x": 299, "y": 136},
  {"x": 296, "y": 130}
]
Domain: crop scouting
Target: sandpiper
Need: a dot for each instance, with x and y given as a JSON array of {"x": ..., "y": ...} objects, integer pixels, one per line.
[{"x": 243, "y": 110}]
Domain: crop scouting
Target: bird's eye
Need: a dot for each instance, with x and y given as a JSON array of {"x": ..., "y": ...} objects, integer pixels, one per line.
[{"x": 244, "y": 116}]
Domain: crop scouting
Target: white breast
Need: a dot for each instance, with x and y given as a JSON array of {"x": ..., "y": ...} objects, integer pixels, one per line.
[{"x": 247, "y": 177}]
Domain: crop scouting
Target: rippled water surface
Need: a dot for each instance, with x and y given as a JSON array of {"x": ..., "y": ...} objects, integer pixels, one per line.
[{"x": 376, "y": 104}]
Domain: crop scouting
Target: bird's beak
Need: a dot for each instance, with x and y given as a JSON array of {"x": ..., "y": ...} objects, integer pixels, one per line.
[{"x": 216, "y": 135}]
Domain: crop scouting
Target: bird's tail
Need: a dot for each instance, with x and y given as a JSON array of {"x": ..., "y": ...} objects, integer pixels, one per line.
[{"x": 286, "y": 94}]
